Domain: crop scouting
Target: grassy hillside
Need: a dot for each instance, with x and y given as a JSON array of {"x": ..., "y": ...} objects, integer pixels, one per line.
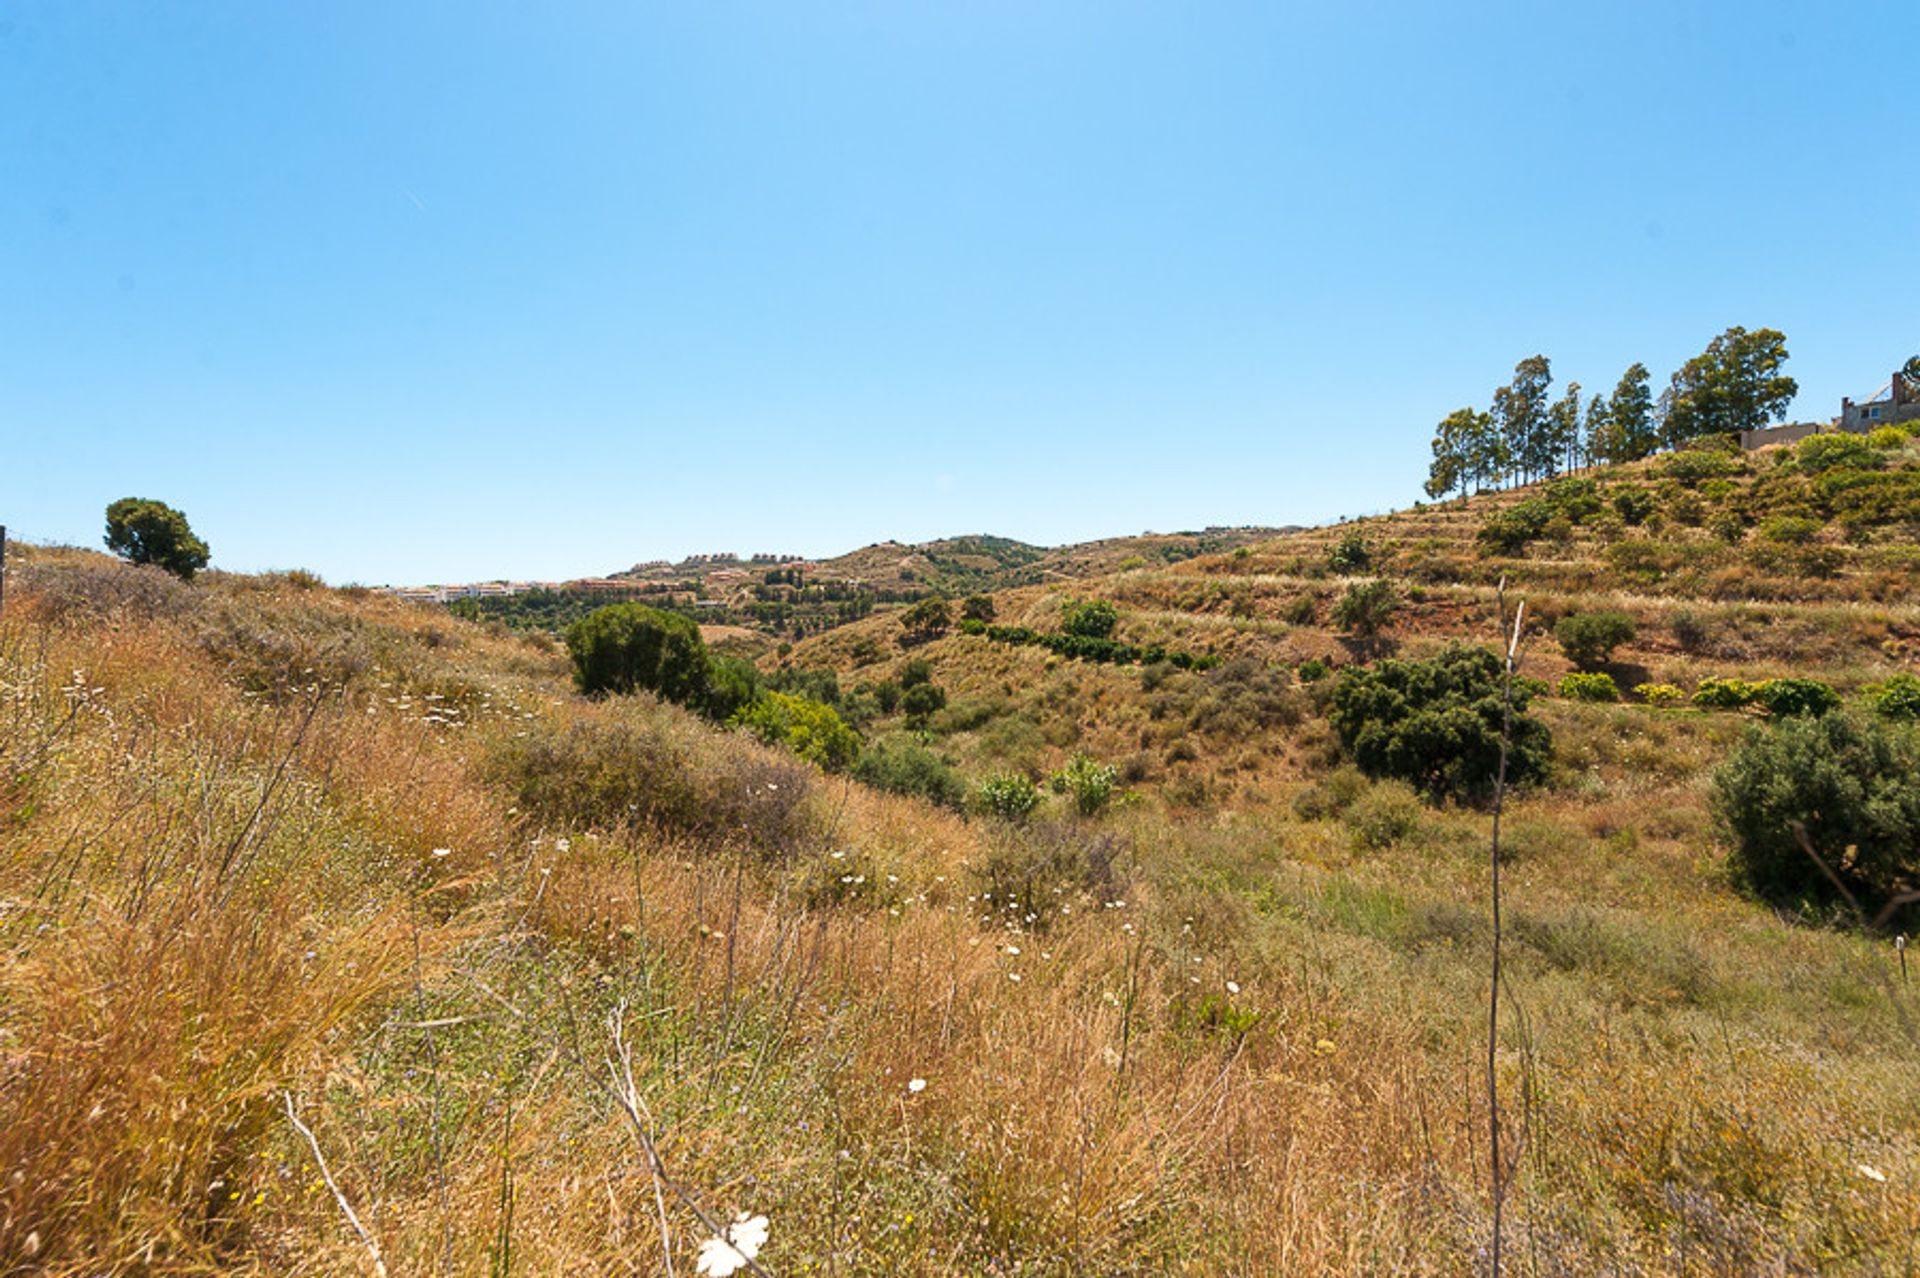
[{"x": 267, "y": 844}]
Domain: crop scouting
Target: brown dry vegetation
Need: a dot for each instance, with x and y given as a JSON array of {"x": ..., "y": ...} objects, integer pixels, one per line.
[{"x": 260, "y": 839}]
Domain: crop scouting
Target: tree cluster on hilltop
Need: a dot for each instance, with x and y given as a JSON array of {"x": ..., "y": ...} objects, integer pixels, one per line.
[{"x": 1525, "y": 434}]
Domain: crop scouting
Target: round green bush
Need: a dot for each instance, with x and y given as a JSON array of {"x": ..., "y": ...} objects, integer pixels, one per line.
[
  {"x": 1589, "y": 638},
  {"x": 1589, "y": 687},
  {"x": 1854, "y": 785},
  {"x": 1786, "y": 697},
  {"x": 630, "y": 647}
]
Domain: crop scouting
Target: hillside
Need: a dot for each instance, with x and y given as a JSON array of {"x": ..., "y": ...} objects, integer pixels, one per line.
[{"x": 267, "y": 847}]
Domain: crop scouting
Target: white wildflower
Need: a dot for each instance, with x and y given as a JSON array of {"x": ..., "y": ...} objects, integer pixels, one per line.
[
  {"x": 742, "y": 1242},
  {"x": 917, "y": 1085},
  {"x": 443, "y": 852},
  {"x": 1233, "y": 987},
  {"x": 1872, "y": 1173}
]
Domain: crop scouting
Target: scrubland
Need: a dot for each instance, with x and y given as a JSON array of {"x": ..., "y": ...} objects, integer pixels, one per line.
[{"x": 270, "y": 849}]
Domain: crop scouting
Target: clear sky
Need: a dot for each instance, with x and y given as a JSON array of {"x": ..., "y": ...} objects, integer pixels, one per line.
[{"x": 422, "y": 291}]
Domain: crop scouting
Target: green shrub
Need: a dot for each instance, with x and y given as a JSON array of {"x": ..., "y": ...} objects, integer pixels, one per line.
[
  {"x": 732, "y": 684},
  {"x": 627, "y": 647},
  {"x": 1093, "y": 619},
  {"x": 1350, "y": 554},
  {"x": 1783, "y": 697},
  {"x": 1436, "y": 724},
  {"x": 1818, "y": 454},
  {"x": 977, "y": 608},
  {"x": 1007, "y": 795},
  {"x": 1090, "y": 783},
  {"x": 1659, "y": 695},
  {"x": 1597, "y": 686},
  {"x": 1507, "y": 532},
  {"x": 1633, "y": 505},
  {"x": 1855, "y": 785},
  {"x": 902, "y": 766},
  {"x": 1301, "y": 610},
  {"x": 914, "y": 672},
  {"x": 1576, "y": 499},
  {"x": 1887, "y": 438},
  {"x": 928, "y": 619},
  {"x": 1789, "y": 530},
  {"x": 1725, "y": 694},
  {"x": 1366, "y": 607},
  {"x": 1312, "y": 670},
  {"x": 1693, "y": 465},
  {"x": 921, "y": 700},
  {"x": 1589, "y": 638},
  {"x": 813, "y": 731},
  {"x": 1897, "y": 698}
]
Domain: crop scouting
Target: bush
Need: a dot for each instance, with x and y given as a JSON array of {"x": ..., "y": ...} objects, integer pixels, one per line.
[
  {"x": 1589, "y": 687},
  {"x": 1887, "y": 438},
  {"x": 1784, "y": 697},
  {"x": 626, "y": 647},
  {"x": 1332, "y": 796},
  {"x": 1030, "y": 868},
  {"x": 1789, "y": 530},
  {"x": 977, "y": 608},
  {"x": 1436, "y": 724},
  {"x": 914, "y": 673},
  {"x": 733, "y": 684},
  {"x": 1090, "y": 783},
  {"x": 1388, "y": 812},
  {"x": 1301, "y": 610},
  {"x": 1366, "y": 607},
  {"x": 1692, "y": 465},
  {"x": 906, "y": 767},
  {"x": 642, "y": 763},
  {"x": 1725, "y": 694},
  {"x": 1589, "y": 638},
  {"x": 1659, "y": 695},
  {"x": 1818, "y": 454},
  {"x": 1897, "y": 698},
  {"x": 1855, "y": 786},
  {"x": 1508, "y": 531},
  {"x": 1094, "y": 619},
  {"x": 143, "y": 531},
  {"x": 922, "y": 699},
  {"x": 1350, "y": 554},
  {"x": 1008, "y": 795},
  {"x": 813, "y": 731},
  {"x": 1312, "y": 670},
  {"x": 1633, "y": 505},
  {"x": 928, "y": 619}
]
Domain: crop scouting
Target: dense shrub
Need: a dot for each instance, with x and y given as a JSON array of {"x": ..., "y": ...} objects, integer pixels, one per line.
[
  {"x": 1238, "y": 698},
  {"x": 1597, "y": 686},
  {"x": 922, "y": 699},
  {"x": 1691, "y": 466},
  {"x": 813, "y": 731},
  {"x": 1659, "y": 694},
  {"x": 928, "y": 619},
  {"x": 977, "y": 608},
  {"x": 1089, "y": 648},
  {"x": 1366, "y": 607},
  {"x": 1332, "y": 795},
  {"x": 1887, "y": 438},
  {"x": 1897, "y": 698},
  {"x": 628, "y": 647},
  {"x": 1436, "y": 724},
  {"x": 1007, "y": 795},
  {"x": 914, "y": 672},
  {"x": 1093, "y": 619},
  {"x": 1796, "y": 697},
  {"x": 1725, "y": 694},
  {"x": 1507, "y": 532},
  {"x": 1090, "y": 783},
  {"x": 902, "y": 766},
  {"x": 1589, "y": 638},
  {"x": 1789, "y": 530},
  {"x": 1818, "y": 454},
  {"x": 1350, "y": 554},
  {"x": 1855, "y": 786},
  {"x": 642, "y": 763},
  {"x": 1633, "y": 505},
  {"x": 1312, "y": 670},
  {"x": 1574, "y": 499},
  {"x": 732, "y": 685}
]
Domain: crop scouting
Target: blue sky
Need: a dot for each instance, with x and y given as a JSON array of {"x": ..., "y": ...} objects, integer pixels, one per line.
[{"x": 434, "y": 292}]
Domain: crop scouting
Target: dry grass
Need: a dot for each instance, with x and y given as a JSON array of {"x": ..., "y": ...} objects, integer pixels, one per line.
[{"x": 277, "y": 840}]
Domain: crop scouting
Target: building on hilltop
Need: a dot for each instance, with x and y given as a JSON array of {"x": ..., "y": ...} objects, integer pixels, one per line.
[{"x": 1896, "y": 402}]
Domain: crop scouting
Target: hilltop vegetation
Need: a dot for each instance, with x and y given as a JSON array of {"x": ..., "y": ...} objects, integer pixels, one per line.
[{"x": 1149, "y": 936}]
